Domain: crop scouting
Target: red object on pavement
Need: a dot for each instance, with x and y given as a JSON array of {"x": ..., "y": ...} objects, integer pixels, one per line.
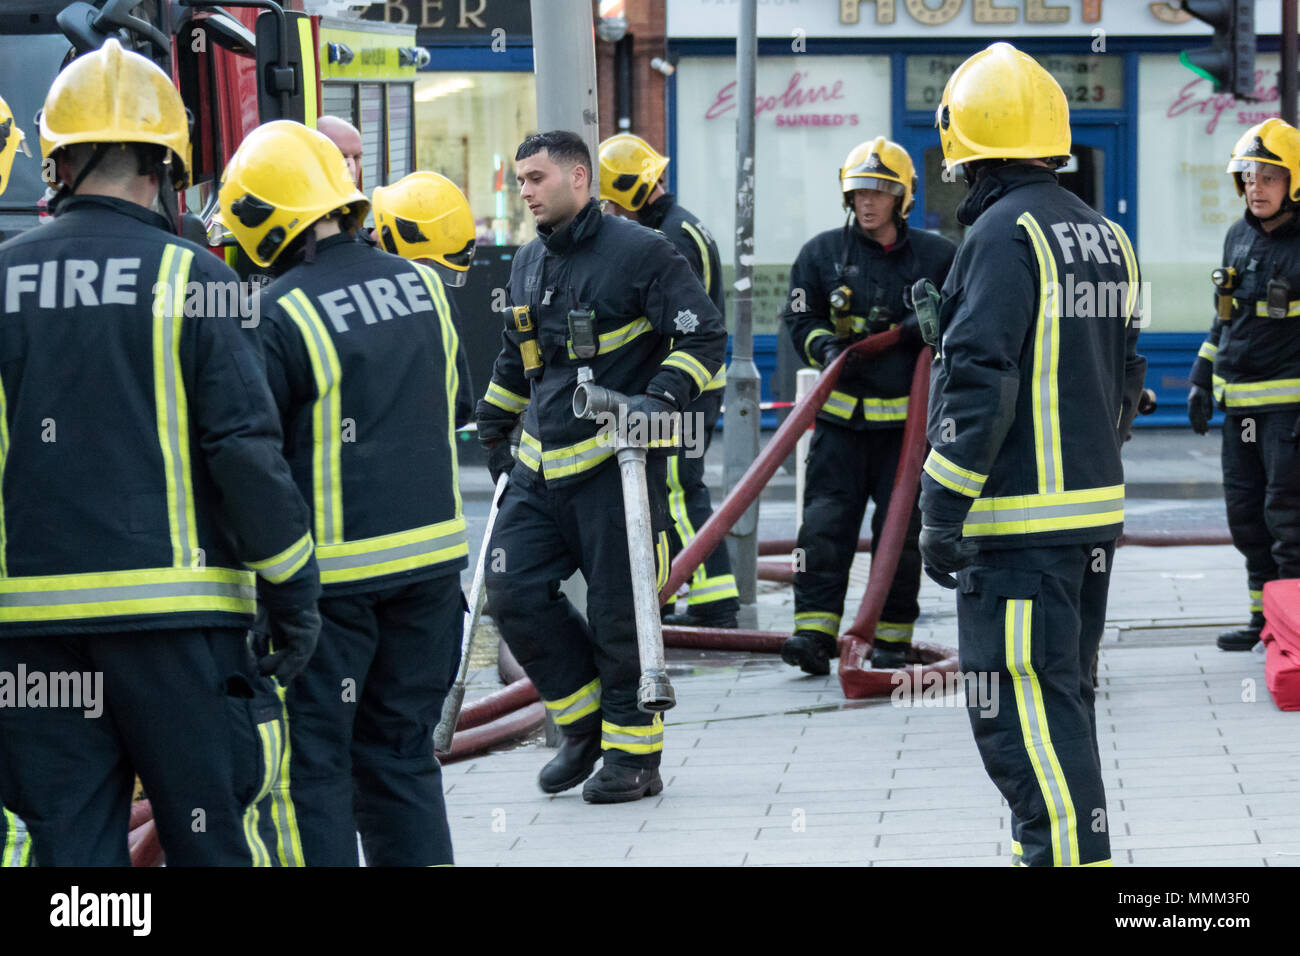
[{"x": 1281, "y": 637}]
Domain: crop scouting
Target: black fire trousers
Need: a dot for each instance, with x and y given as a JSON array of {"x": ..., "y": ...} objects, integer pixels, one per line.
[{"x": 1032, "y": 620}]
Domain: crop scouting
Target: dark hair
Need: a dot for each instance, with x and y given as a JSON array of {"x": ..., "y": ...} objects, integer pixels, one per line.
[{"x": 563, "y": 146}]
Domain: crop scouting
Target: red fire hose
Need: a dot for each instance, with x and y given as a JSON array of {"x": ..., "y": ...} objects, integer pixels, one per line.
[
  {"x": 857, "y": 680},
  {"x": 766, "y": 464}
]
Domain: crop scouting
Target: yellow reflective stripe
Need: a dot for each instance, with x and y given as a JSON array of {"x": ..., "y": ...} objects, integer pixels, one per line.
[
  {"x": 281, "y": 567},
  {"x": 1217, "y": 383},
  {"x": 1034, "y": 731},
  {"x": 566, "y": 460},
  {"x": 311, "y": 109},
  {"x": 841, "y": 404},
  {"x": 1062, "y": 511},
  {"x": 326, "y": 428},
  {"x": 450, "y": 346},
  {"x": 4, "y": 455},
  {"x": 270, "y": 737},
  {"x": 884, "y": 409},
  {"x": 707, "y": 590},
  {"x": 1207, "y": 351},
  {"x": 390, "y": 553},
  {"x": 17, "y": 847},
  {"x": 661, "y": 560},
  {"x": 808, "y": 340},
  {"x": 706, "y": 276},
  {"x": 824, "y": 622},
  {"x": 505, "y": 399},
  {"x": 583, "y": 701},
  {"x": 634, "y": 740},
  {"x": 1251, "y": 394},
  {"x": 952, "y": 476},
  {"x": 1106, "y": 862},
  {"x": 170, "y": 404},
  {"x": 1130, "y": 267},
  {"x": 859, "y": 323},
  {"x": 60, "y": 597},
  {"x": 718, "y": 381},
  {"x": 619, "y": 337},
  {"x": 677, "y": 502},
  {"x": 895, "y": 633},
  {"x": 1047, "y": 334},
  {"x": 1293, "y": 308},
  {"x": 529, "y": 452},
  {"x": 685, "y": 362},
  {"x": 283, "y": 812},
  {"x": 1256, "y": 601},
  {"x": 1017, "y": 853}
]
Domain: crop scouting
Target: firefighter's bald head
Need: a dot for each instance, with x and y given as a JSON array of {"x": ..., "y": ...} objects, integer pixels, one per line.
[{"x": 346, "y": 137}]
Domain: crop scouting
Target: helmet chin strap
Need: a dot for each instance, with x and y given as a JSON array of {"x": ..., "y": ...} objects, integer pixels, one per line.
[
  {"x": 64, "y": 190},
  {"x": 167, "y": 196}
]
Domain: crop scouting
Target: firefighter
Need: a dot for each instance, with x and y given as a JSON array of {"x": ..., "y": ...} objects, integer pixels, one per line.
[
  {"x": 847, "y": 284},
  {"x": 359, "y": 348},
  {"x": 15, "y": 848},
  {"x": 424, "y": 216},
  {"x": 595, "y": 298},
  {"x": 1250, "y": 365},
  {"x": 348, "y": 139},
  {"x": 631, "y": 176},
  {"x": 1023, "y": 490},
  {"x": 148, "y": 506}
]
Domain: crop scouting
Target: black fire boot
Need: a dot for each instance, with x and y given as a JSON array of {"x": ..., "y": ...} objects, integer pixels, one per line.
[
  {"x": 1243, "y": 639},
  {"x": 624, "y": 778},
  {"x": 577, "y": 757},
  {"x": 719, "y": 614},
  {"x": 811, "y": 651},
  {"x": 887, "y": 655}
]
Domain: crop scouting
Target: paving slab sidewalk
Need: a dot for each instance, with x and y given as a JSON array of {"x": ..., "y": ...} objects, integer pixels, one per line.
[{"x": 765, "y": 766}]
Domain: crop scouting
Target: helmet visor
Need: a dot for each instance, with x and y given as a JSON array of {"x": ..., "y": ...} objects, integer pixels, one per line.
[
  {"x": 874, "y": 182},
  {"x": 1266, "y": 174}
]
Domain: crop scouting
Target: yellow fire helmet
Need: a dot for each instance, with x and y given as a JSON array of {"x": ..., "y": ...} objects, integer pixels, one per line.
[
  {"x": 1273, "y": 142},
  {"x": 11, "y": 140},
  {"x": 282, "y": 178},
  {"x": 1001, "y": 104},
  {"x": 629, "y": 169},
  {"x": 879, "y": 164},
  {"x": 426, "y": 216},
  {"x": 115, "y": 96}
]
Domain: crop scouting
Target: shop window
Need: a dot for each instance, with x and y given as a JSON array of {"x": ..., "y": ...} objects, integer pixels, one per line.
[
  {"x": 811, "y": 111},
  {"x": 468, "y": 126},
  {"x": 1090, "y": 82},
  {"x": 1186, "y": 133}
]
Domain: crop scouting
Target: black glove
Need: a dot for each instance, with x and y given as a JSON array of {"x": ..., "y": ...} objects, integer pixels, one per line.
[
  {"x": 500, "y": 461},
  {"x": 909, "y": 332},
  {"x": 649, "y": 405},
  {"x": 1200, "y": 408},
  {"x": 292, "y": 634},
  {"x": 827, "y": 348},
  {"x": 944, "y": 550}
]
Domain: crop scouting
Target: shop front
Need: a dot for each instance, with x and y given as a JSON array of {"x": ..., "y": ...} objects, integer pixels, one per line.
[{"x": 1150, "y": 139}]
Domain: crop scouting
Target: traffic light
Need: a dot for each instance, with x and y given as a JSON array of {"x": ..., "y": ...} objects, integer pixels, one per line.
[{"x": 1229, "y": 62}]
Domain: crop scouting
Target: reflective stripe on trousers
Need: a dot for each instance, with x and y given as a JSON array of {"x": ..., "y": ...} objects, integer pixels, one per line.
[{"x": 634, "y": 740}]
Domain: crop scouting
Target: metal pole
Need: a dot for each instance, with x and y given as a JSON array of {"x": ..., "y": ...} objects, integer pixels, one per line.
[
  {"x": 564, "y": 54},
  {"x": 740, "y": 442},
  {"x": 805, "y": 380},
  {"x": 1287, "y": 77}
]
